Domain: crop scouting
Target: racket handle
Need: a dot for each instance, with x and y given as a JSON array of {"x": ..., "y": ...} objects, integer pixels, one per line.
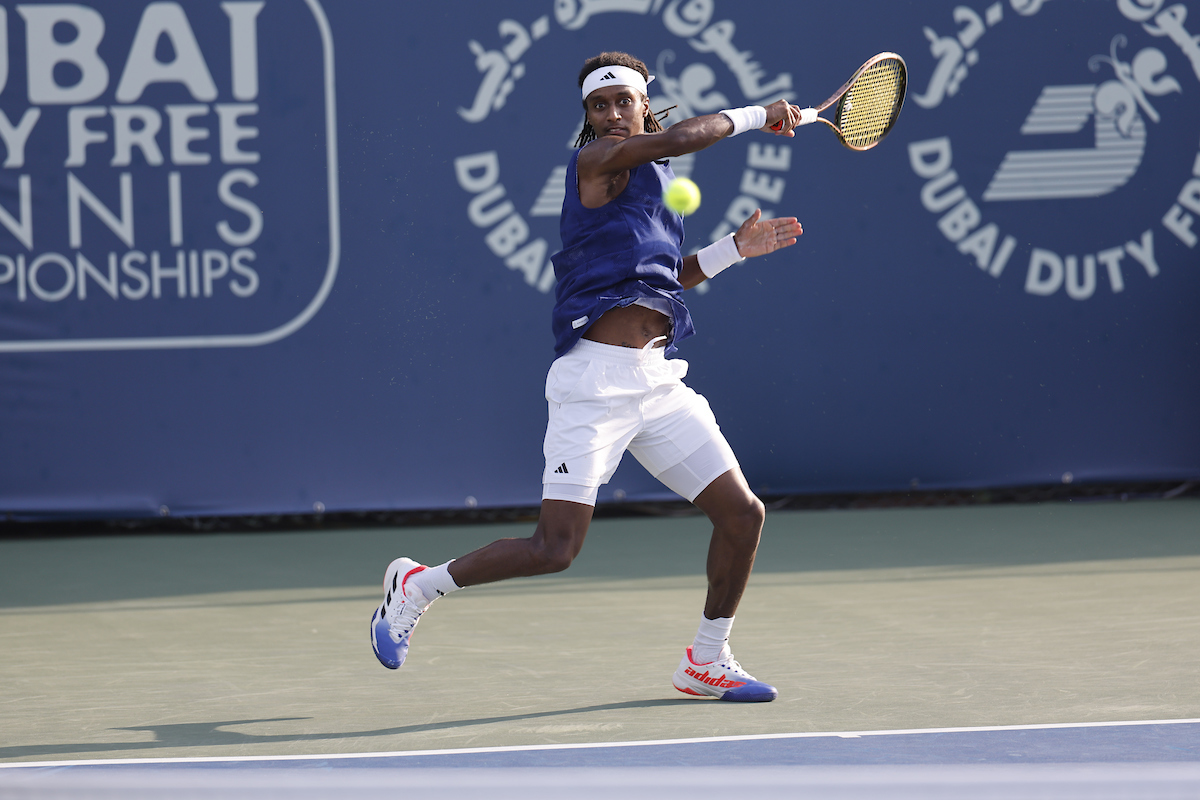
[{"x": 807, "y": 117}]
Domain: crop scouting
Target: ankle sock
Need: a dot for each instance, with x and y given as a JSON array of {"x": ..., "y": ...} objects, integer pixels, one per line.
[
  {"x": 435, "y": 582},
  {"x": 712, "y": 639}
]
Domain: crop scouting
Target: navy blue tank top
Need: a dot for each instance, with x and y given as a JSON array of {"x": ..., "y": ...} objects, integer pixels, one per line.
[{"x": 612, "y": 256}]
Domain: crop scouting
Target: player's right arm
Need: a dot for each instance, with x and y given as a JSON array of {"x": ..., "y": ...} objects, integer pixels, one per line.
[{"x": 613, "y": 155}]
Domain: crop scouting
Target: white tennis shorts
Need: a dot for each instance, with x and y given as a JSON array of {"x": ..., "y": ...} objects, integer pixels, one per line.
[{"x": 604, "y": 400}]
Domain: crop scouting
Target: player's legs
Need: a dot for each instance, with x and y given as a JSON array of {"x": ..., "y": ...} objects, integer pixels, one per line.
[
  {"x": 737, "y": 518},
  {"x": 593, "y": 394},
  {"x": 712, "y": 480},
  {"x": 558, "y": 538},
  {"x": 592, "y": 398},
  {"x": 682, "y": 445},
  {"x": 708, "y": 667},
  {"x": 410, "y": 588}
]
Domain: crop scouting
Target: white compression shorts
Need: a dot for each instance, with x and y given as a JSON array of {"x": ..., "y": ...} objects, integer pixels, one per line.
[{"x": 604, "y": 400}]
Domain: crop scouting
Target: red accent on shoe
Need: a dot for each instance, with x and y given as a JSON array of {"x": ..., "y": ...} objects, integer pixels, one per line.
[{"x": 415, "y": 570}]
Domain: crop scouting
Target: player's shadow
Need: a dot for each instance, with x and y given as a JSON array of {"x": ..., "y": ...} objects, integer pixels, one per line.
[{"x": 215, "y": 734}]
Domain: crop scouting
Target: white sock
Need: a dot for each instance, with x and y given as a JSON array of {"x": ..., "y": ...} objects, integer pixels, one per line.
[
  {"x": 712, "y": 639},
  {"x": 435, "y": 582}
]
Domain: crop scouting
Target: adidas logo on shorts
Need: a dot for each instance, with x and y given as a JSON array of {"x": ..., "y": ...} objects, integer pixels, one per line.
[{"x": 562, "y": 470}]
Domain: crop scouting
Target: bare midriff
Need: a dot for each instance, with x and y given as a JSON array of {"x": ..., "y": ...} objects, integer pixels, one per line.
[{"x": 631, "y": 326}]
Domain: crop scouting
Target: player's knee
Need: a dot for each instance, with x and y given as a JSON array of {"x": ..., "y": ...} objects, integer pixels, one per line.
[
  {"x": 553, "y": 554},
  {"x": 559, "y": 562},
  {"x": 757, "y": 513},
  {"x": 744, "y": 520},
  {"x": 553, "y": 559},
  {"x": 558, "y": 539},
  {"x": 753, "y": 517}
]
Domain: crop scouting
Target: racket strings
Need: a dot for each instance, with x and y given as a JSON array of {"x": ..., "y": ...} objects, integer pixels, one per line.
[{"x": 868, "y": 109}]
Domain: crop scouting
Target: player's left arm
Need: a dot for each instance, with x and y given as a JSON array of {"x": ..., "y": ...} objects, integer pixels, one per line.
[{"x": 756, "y": 237}]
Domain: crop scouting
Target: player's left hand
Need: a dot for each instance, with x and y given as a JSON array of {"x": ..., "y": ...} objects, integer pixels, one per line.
[{"x": 758, "y": 236}]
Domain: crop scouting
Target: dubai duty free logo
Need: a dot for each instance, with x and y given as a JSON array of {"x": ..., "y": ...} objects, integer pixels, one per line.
[
  {"x": 519, "y": 230},
  {"x": 1122, "y": 108},
  {"x": 153, "y": 181}
]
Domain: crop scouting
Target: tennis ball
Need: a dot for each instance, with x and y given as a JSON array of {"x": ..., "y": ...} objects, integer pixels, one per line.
[{"x": 682, "y": 196}]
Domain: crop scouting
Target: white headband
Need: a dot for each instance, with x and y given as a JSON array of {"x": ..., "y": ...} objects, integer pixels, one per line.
[{"x": 614, "y": 76}]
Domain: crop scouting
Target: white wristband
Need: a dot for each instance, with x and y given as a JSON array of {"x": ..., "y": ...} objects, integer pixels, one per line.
[
  {"x": 746, "y": 118},
  {"x": 718, "y": 256}
]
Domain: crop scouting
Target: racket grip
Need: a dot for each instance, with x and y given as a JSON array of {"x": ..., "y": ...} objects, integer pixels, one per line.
[{"x": 807, "y": 117}]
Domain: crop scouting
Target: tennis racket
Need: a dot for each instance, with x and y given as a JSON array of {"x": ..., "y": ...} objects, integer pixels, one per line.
[{"x": 867, "y": 105}]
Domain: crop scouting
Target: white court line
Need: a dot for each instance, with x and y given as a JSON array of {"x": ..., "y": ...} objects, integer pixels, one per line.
[{"x": 518, "y": 748}]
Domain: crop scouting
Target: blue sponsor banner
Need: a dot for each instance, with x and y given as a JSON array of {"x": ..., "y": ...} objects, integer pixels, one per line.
[{"x": 283, "y": 255}]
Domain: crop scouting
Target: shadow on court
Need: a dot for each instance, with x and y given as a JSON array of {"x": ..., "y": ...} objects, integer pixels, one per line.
[{"x": 214, "y": 734}]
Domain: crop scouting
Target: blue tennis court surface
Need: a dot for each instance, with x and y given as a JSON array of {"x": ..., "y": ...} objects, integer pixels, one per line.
[{"x": 1153, "y": 759}]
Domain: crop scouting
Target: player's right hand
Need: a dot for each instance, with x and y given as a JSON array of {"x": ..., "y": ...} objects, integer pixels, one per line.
[{"x": 785, "y": 112}]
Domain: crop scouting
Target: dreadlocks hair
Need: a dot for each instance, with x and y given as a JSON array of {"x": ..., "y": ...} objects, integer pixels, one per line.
[{"x": 616, "y": 59}]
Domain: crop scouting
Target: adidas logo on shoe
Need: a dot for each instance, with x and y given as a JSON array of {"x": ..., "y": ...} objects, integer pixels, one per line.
[
  {"x": 719, "y": 681},
  {"x": 723, "y": 679}
]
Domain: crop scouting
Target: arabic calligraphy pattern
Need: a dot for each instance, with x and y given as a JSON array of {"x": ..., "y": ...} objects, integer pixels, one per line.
[
  {"x": 692, "y": 90},
  {"x": 955, "y": 54},
  {"x": 501, "y": 68},
  {"x": 1169, "y": 23},
  {"x": 687, "y": 19}
]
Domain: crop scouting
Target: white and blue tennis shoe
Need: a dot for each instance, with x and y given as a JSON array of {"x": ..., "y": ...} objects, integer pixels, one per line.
[
  {"x": 403, "y": 604},
  {"x": 723, "y": 679}
]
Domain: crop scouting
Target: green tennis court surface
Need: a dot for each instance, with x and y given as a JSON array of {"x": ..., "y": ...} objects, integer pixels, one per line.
[{"x": 256, "y": 644}]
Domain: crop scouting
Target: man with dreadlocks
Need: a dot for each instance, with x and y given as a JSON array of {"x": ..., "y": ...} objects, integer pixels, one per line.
[{"x": 618, "y": 313}]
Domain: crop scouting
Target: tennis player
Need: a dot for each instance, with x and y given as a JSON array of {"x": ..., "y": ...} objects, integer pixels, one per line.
[{"x": 618, "y": 314}]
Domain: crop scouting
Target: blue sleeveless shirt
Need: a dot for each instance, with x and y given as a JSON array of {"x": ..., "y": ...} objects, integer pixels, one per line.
[{"x": 626, "y": 250}]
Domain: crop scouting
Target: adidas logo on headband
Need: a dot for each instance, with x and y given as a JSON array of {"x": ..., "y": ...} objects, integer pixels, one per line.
[{"x": 616, "y": 75}]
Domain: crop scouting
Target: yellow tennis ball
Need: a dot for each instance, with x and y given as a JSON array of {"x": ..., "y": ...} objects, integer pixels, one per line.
[{"x": 682, "y": 196}]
